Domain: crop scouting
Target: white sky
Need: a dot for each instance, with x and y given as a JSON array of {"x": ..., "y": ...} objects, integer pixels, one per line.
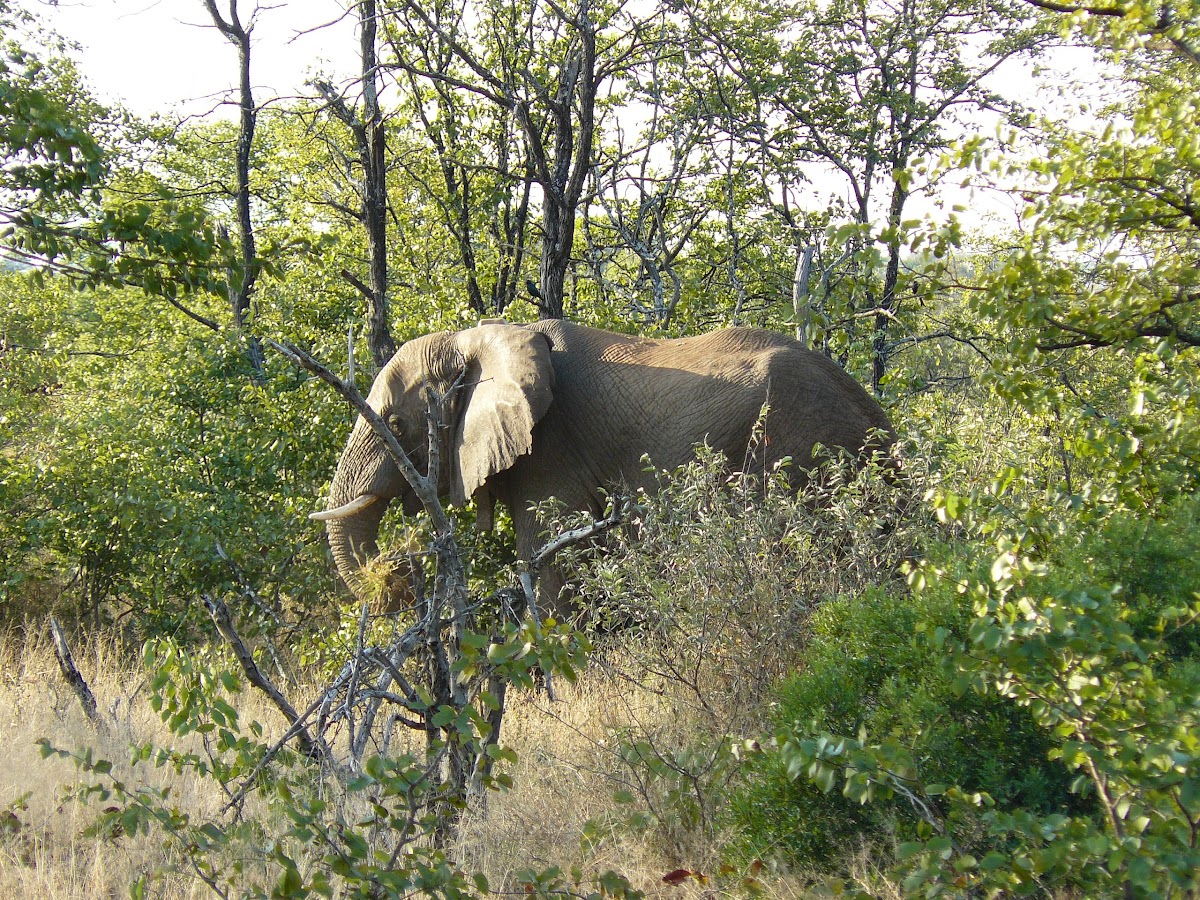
[
  {"x": 165, "y": 55},
  {"x": 154, "y": 55}
]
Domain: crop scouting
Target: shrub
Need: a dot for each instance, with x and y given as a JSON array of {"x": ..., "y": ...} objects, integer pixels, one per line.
[
  {"x": 1109, "y": 680},
  {"x": 708, "y": 601},
  {"x": 872, "y": 669}
]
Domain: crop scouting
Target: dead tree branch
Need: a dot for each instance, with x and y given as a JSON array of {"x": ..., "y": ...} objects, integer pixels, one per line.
[
  {"x": 224, "y": 622},
  {"x": 66, "y": 663}
]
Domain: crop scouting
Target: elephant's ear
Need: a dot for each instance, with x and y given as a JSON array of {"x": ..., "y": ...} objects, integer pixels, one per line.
[{"x": 510, "y": 385}]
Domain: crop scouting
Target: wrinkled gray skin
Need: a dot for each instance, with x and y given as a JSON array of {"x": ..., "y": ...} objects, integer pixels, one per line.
[{"x": 559, "y": 410}]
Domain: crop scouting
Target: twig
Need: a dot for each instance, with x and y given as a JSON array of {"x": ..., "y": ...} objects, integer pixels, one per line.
[
  {"x": 356, "y": 746},
  {"x": 252, "y": 779},
  {"x": 620, "y": 508}
]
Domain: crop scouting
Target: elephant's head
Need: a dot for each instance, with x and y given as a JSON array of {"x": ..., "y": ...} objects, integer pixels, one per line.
[{"x": 504, "y": 386}]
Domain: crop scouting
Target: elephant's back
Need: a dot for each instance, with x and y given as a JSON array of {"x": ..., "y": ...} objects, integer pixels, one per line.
[
  {"x": 810, "y": 399},
  {"x": 637, "y": 396},
  {"x": 618, "y": 398}
]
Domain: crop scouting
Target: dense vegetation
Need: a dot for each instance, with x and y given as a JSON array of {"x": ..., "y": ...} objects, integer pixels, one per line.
[{"x": 986, "y": 676}]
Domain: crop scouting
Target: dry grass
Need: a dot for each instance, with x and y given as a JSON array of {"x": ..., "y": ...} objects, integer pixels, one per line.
[
  {"x": 566, "y": 776},
  {"x": 44, "y": 853}
]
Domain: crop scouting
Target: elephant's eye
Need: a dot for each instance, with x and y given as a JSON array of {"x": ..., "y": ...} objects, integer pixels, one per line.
[{"x": 393, "y": 422}]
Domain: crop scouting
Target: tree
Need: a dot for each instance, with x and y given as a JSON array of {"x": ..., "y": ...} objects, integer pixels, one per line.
[
  {"x": 547, "y": 66},
  {"x": 62, "y": 206},
  {"x": 1078, "y": 565},
  {"x": 648, "y": 186},
  {"x": 1101, "y": 288},
  {"x": 480, "y": 181},
  {"x": 46, "y": 133},
  {"x": 893, "y": 79},
  {"x": 367, "y": 125},
  {"x": 243, "y": 276},
  {"x": 1114, "y": 213},
  {"x": 849, "y": 97}
]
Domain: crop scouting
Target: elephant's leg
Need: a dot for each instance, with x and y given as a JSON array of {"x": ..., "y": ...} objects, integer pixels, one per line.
[{"x": 554, "y": 598}]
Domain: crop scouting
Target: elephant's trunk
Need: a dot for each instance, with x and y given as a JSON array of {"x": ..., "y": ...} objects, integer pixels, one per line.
[
  {"x": 353, "y": 542},
  {"x": 355, "y": 511}
]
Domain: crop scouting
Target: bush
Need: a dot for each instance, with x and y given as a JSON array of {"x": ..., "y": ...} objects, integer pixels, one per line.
[
  {"x": 153, "y": 467},
  {"x": 1105, "y": 680},
  {"x": 712, "y": 596},
  {"x": 1153, "y": 559},
  {"x": 872, "y": 669}
]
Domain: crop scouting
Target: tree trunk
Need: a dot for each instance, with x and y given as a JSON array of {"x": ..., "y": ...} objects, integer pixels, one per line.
[
  {"x": 559, "y": 237},
  {"x": 241, "y": 283},
  {"x": 889, "y": 301},
  {"x": 802, "y": 308},
  {"x": 564, "y": 174},
  {"x": 372, "y": 152}
]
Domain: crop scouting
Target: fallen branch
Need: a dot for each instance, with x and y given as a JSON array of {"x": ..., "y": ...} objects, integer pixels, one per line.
[{"x": 66, "y": 662}]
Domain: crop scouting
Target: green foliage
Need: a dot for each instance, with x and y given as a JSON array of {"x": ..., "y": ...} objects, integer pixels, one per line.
[
  {"x": 46, "y": 121},
  {"x": 876, "y": 665},
  {"x": 77, "y": 199},
  {"x": 1076, "y": 560},
  {"x": 1106, "y": 257},
  {"x": 153, "y": 466},
  {"x": 1112, "y": 680},
  {"x": 1050, "y": 640},
  {"x": 1114, "y": 692}
]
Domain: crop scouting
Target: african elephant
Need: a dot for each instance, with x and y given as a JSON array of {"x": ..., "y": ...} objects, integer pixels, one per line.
[{"x": 555, "y": 409}]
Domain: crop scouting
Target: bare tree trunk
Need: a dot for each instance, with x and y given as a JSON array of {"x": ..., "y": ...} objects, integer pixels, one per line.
[
  {"x": 508, "y": 228},
  {"x": 555, "y": 111},
  {"x": 70, "y": 672},
  {"x": 241, "y": 283},
  {"x": 889, "y": 301},
  {"x": 564, "y": 175},
  {"x": 802, "y": 308},
  {"x": 558, "y": 237},
  {"x": 372, "y": 149}
]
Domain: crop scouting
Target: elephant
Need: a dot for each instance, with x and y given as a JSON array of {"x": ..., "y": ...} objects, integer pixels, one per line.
[{"x": 560, "y": 410}]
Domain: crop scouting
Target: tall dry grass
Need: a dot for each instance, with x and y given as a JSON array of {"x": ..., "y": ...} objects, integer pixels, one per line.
[
  {"x": 566, "y": 776},
  {"x": 44, "y": 852}
]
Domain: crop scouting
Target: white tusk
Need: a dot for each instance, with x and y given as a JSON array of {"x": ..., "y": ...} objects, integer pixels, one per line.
[{"x": 358, "y": 504}]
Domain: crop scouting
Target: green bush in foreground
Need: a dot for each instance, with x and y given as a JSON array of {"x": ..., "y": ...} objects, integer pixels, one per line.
[
  {"x": 1109, "y": 676},
  {"x": 873, "y": 669}
]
